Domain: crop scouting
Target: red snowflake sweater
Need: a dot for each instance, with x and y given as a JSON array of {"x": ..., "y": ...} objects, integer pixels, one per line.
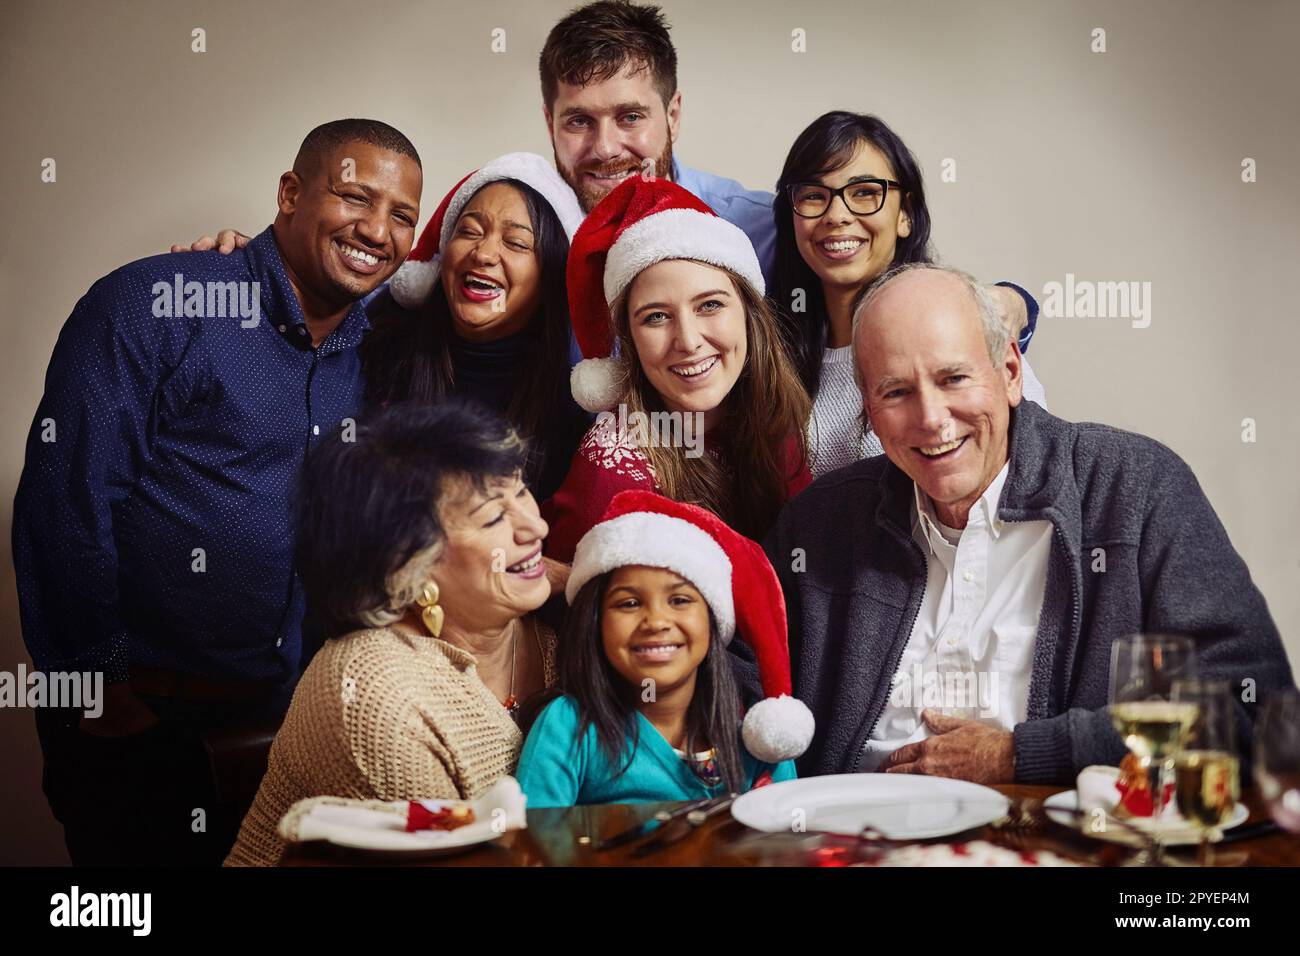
[{"x": 605, "y": 464}]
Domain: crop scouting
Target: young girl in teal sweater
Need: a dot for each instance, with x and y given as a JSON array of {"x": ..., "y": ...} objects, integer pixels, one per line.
[{"x": 646, "y": 708}]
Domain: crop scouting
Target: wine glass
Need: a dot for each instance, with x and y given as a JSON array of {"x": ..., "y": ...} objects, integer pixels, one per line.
[
  {"x": 1143, "y": 669},
  {"x": 1277, "y": 756},
  {"x": 1205, "y": 766}
]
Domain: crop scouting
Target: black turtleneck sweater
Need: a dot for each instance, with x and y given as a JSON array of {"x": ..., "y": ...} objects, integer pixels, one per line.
[{"x": 489, "y": 373}]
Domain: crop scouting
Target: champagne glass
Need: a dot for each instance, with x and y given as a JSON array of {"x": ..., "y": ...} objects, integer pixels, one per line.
[
  {"x": 1277, "y": 756},
  {"x": 1143, "y": 669},
  {"x": 1205, "y": 766}
]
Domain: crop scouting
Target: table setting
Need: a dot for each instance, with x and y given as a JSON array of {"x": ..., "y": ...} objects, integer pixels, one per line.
[{"x": 1177, "y": 799}]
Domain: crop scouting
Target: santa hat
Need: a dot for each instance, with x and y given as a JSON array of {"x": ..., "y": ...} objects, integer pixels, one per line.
[
  {"x": 735, "y": 579},
  {"x": 414, "y": 280},
  {"x": 639, "y": 223}
]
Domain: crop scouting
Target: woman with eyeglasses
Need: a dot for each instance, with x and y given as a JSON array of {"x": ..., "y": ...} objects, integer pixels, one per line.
[{"x": 850, "y": 205}]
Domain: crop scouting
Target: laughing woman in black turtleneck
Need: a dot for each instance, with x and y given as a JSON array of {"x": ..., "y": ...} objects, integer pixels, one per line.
[{"x": 479, "y": 310}]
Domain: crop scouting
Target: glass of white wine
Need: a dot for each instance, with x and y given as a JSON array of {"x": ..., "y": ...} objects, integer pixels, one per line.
[
  {"x": 1277, "y": 756},
  {"x": 1143, "y": 669},
  {"x": 1206, "y": 780}
]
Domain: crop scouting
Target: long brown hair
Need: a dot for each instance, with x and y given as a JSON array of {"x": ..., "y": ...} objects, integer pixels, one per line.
[{"x": 764, "y": 412}]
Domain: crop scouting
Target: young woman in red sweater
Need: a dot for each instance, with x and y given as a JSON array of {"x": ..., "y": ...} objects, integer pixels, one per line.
[{"x": 697, "y": 399}]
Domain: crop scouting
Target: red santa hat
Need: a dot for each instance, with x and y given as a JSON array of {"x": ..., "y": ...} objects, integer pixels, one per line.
[
  {"x": 641, "y": 222},
  {"x": 414, "y": 280},
  {"x": 736, "y": 580}
]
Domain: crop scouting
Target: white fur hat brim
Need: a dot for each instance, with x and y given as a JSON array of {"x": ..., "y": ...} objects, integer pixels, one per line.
[
  {"x": 414, "y": 280},
  {"x": 680, "y": 234},
  {"x": 658, "y": 541},
  {"x": 528, "y": 168}
]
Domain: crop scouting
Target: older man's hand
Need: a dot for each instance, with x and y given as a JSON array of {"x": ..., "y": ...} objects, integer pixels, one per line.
[
  {"x": 557, "y": 575},
  {"x": 1015, "y": 316},
  {"x": 964, "y": 749}
]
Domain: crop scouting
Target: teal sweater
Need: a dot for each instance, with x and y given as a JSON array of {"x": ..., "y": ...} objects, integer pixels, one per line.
[{"x": 556, "y": 769}]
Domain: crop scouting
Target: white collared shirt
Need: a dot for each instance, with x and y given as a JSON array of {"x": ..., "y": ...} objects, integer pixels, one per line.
[{"x": 971, "y": 649}]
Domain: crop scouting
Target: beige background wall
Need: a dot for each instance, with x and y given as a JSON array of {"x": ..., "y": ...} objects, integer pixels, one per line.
[{"x": 1115, "y": 166}]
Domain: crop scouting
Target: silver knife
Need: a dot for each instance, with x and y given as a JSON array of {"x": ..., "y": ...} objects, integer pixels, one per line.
[
  {"x": 694, "y": 819},
  {"x": 646, "y": 827}
]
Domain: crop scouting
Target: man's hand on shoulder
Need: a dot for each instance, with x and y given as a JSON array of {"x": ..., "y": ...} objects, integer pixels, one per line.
[
  {"x": 557, "y": 575},
  {"x": 226, "y": 242},
  {"x": 1011, "y": 306}
]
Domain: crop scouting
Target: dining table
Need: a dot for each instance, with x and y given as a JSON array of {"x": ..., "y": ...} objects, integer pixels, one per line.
[{"x": 570, "y": 837}]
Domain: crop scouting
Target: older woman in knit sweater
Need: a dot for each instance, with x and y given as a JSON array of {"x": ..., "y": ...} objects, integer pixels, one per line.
[{"x": 419, "y": 550}]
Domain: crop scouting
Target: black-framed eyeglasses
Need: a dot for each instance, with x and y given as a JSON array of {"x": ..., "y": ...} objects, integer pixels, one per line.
[{"x": 863, "y": 197}]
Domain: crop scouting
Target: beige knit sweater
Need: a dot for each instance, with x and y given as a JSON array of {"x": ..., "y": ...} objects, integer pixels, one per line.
[{"x": 382, "y": 715}]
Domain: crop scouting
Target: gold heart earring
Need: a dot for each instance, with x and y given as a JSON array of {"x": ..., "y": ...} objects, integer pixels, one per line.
[{"x": 432, "y": 615}]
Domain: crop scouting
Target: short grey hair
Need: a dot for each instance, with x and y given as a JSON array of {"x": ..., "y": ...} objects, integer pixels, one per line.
[{"x": 996, "y": 334}]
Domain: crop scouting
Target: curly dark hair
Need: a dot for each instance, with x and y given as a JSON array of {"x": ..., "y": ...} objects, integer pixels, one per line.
[{"x": 368, "y": 502}]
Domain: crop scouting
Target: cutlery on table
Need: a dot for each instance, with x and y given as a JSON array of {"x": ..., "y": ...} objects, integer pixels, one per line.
[
  {"x": 685, "y": 825},
  {"x": 646, "y": 827}
]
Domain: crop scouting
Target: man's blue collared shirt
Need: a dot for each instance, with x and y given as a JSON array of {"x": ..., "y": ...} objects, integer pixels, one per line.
[
  {"x": 154, "y": 518},
  {"x": 750, "y": 209}
]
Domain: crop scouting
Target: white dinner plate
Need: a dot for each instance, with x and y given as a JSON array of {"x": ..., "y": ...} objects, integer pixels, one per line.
[
  {"x": 1172, "y": 832},
  {"x": 901, "y": 806},
  {"x": 380, "y": 827},
  {"x": 382, "y": 832},
  {"x": 385, "y": 837}
]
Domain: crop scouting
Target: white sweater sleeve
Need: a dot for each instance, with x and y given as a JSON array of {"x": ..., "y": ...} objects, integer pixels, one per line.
[{"x": 1034, "y": 390}]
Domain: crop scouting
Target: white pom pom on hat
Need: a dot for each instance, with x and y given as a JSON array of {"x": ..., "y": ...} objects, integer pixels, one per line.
[
  {"x": 597, "y": 383},
  {"x": 776, "y": 727},
  {"x": 414, "y": 280}
]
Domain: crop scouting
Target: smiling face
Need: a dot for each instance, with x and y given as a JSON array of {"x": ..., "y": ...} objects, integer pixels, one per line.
[
  {"x": 687, "y": 323},
  {"x": 654, "y": 624},
  {"x": 938, "y": 404},
  {"x": 605, "y": 131},
  {"x": 490, "y": 570},
  {"x": 843, "y": 248},
  {"x": 491, "y": 273},
  {"x": 346, "y": 224}
]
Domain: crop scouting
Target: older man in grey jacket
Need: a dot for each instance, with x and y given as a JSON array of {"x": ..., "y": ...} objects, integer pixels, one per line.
[{"x": 999, "y": 545}]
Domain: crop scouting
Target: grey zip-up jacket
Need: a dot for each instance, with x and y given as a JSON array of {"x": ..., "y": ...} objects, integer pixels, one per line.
[{"x": 853, "y": 579}]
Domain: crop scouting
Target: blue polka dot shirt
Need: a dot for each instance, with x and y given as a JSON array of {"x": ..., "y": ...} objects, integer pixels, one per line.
[{"x": 154, "y": 516}]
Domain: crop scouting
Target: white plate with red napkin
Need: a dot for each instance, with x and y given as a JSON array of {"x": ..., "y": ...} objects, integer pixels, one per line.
[
  {"x": 381, "y": 826},
  {"x": 1099, "y": 797}
]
